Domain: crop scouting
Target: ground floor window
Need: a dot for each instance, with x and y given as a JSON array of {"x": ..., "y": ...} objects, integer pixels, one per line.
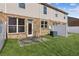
[
  {"x": 12, "y": 29},
  {"x": 44, "y": 24},
  {"x": 21, "y": 24},
  {"x": 16, "y": 25}
]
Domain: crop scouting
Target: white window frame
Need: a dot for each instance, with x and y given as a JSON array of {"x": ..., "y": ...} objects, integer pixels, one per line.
[
  {"x": 11, "y": 25},
  {"x": 45, "y": 11},
  {"x": 16, "y": 25},
  {"x": 44, "y": 24},
  {"x": 20, "y": 25}
]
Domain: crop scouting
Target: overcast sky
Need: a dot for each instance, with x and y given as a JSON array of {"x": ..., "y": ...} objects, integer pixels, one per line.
[{"x": 71, "y": 8}]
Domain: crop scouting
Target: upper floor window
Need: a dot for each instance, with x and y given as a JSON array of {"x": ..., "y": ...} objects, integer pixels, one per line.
[
  {"x": 45, "y": 10},
  {"x": 22, "y": 5},
  {"x": 56, "y": 15}
]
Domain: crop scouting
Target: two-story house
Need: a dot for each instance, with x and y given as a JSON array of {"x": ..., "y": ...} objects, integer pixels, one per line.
[{"x": 32, "y": 19}]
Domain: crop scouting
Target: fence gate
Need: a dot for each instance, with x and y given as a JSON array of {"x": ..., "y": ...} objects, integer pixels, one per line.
[{"x": 2, "y": 33}]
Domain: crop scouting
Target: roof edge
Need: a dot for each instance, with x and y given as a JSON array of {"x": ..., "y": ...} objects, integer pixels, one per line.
[
  {"x": 54, "y": 8},
  {"x": 73, "y": 17}
]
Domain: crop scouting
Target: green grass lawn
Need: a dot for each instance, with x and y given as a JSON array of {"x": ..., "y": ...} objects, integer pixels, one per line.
[{"x": 54, "y": 46}]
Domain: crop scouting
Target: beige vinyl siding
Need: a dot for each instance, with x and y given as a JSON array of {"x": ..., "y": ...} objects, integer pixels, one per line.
[
  {"x": 2, "y": 7},
  {"x": 33, "y": 10}
]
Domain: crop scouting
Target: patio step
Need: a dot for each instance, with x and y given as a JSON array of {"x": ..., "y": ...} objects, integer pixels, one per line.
[{"x": 28, "y": 40}]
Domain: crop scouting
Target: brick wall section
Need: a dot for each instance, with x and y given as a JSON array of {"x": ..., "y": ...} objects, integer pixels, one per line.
[
  {"x": 3, "y": 16},
  {"x": 36, "y": 27},
  {"x": 37, "y": 30},
  {"x": 17, "y": 36}
]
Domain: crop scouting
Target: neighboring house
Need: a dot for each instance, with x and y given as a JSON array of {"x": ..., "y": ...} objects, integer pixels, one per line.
[
  {"x": 32, "y": 19},
  {"x": 73, "y": 25}
]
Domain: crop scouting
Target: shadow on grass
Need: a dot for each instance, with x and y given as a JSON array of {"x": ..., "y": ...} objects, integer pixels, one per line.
[{"x": 3, "y": 45}]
